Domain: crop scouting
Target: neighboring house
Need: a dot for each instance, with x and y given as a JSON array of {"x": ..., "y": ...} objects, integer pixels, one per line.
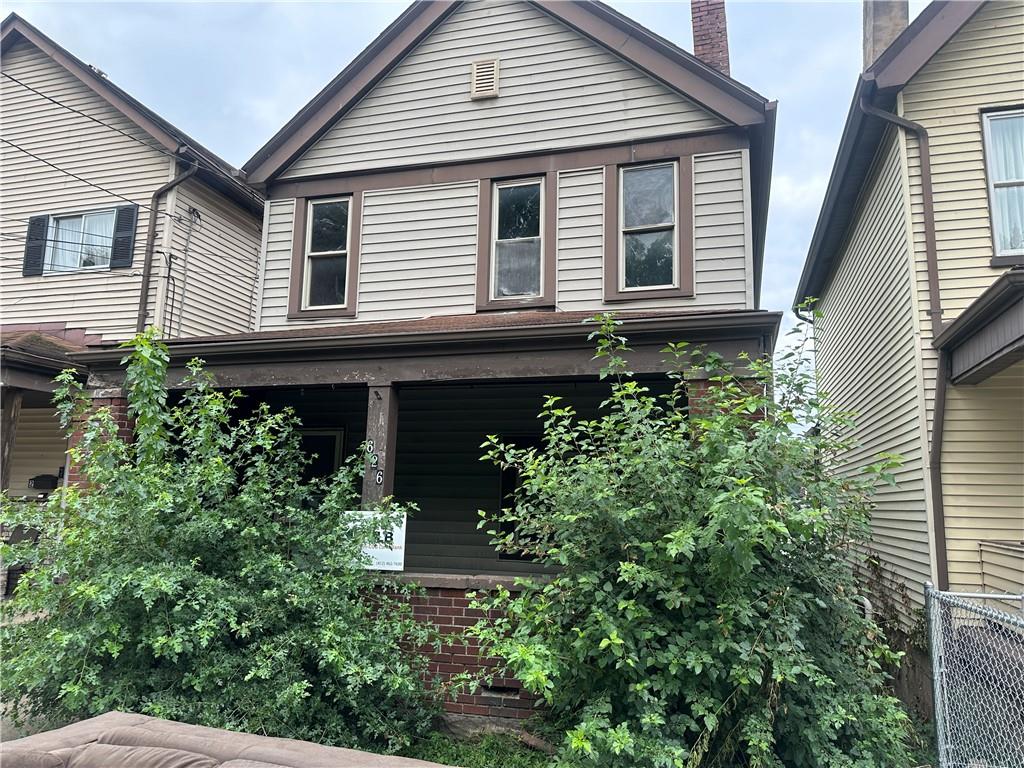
[
  {"x": 99, "y": 198},
  {"x": 447, "y": 212},
  {"x": 916, "y": 261}
]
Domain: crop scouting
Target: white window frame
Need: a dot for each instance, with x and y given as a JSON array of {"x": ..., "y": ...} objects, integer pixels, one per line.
[
  {"x": 308, "y": 255},
  {"x": 624, "y": 230},
  {"x": 495, "y": 200},
  {"x": 51, "y": 241},
  {"x": 993, "y": 185}
]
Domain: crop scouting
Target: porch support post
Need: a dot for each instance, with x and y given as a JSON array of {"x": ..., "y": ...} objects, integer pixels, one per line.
[
  {"x": 381, "y": 432},
  {"x": 12, "y": 397}
]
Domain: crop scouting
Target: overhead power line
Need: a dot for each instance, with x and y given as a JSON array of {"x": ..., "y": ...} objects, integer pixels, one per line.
[
  {"x": 79, "y": 178},
  {"x": 151, "y": 145},
  {"x": 118, "y": 271}
]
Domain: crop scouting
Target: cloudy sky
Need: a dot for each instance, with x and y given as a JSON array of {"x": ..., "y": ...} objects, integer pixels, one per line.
[{"x": 231, "y": 74}]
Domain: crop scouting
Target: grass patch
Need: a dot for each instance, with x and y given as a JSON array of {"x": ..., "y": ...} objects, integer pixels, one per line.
[{"x": 484, "y": 751}]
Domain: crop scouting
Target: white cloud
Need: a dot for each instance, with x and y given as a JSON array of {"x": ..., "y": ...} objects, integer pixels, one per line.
[{"x": 791, "y": 194}]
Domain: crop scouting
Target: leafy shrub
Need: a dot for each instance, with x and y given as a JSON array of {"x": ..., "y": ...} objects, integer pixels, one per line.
[
  {"x": 198, "y": 578},
  {"x": 701, "y": 608},
  {"x": 485, "y": 751}
]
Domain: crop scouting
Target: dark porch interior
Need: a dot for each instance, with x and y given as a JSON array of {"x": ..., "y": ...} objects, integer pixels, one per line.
[{"x": 440, "y": 428}]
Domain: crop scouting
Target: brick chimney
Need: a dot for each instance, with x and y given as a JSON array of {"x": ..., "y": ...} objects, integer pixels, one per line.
[
  {"x": 710, "y": 38},
  {"x": 883, "y": 22}
]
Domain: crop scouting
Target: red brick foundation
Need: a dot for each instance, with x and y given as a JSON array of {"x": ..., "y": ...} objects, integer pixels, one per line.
[{"x": 448, "y": 610}]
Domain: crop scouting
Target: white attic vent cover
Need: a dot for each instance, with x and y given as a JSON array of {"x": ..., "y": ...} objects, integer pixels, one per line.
[{"x": 483, "y": 80}]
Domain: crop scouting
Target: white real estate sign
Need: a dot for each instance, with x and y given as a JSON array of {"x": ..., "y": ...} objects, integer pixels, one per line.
[{"x": 389, "y": 554}]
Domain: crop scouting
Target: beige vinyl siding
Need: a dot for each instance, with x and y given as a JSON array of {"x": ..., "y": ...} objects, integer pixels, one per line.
[
  {"x": 721, "y": 238},
  {"x": 981, "y": 66},
  {"x": 223, "y": 255},
  {"x": 558, "y": 89},
  {"x": 983, "y": 478},
  {"x": 278, "y": 223},
  {"x": 103, "y": 302},
  {"x": 39, "y": 446},
  {"x": 419, "y": 253},
  {"x": 417, "y": 256},
  {"x": 867, "y": 364},
  {"x": 1002, "y": 566}
]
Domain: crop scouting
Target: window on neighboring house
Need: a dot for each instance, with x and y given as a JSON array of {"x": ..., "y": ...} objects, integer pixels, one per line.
[
  {"x": 82, "y": 241},
  {"x": 516, "y": 257},
  {"x": 647, "y": 220},
  {"x": 1004, "y": 153},
  {"x": 327, "y": 247}
]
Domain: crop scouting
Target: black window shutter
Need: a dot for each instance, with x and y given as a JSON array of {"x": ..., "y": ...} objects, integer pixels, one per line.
[
  {"x": 123, "y": 246},
  {"x": 35, "y": 246}
]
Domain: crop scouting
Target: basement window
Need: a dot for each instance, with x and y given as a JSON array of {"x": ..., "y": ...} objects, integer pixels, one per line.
[{"x": 1004, "y": 157}]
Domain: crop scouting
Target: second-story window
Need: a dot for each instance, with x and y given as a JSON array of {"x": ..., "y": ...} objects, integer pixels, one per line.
[
  {"x": 81, "y": 241},
  {"x": 1004, "y": 153},
  {"x": 648, "y": 224},
  {"x": 327, "y": 250},
  {"x": 517, "y": 226}
]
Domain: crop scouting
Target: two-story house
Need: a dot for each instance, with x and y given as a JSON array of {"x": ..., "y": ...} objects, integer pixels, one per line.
[
  {"x": 111, "y": 219},
  {"x": 444, "y": 216},
  {"x": 917, "y": 264}
]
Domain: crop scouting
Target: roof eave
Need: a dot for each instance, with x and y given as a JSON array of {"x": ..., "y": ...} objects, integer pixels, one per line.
[
  {"x": 878, "y": 85},
  {"x": 1008, "y": 288},
  {"x": 725, "y": 97},
  {"x": 164, "y": 133},
  {"x": 760, "y": 321}
]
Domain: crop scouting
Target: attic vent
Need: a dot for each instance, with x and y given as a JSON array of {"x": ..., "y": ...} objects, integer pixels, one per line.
[{"x": 483, "y": 80}]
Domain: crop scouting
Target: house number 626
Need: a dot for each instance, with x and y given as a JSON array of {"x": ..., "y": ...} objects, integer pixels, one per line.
[{"x": 374, "y": 459}]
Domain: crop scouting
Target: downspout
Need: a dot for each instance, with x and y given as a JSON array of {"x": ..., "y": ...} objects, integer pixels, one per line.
[
  {"x": 147, "y": 259},
  {"x": 935, "y": 316}
]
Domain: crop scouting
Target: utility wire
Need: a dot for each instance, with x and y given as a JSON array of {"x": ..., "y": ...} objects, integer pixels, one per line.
[
  {"x": 116, "y": 271},
  {"x": 79, "y": 178},
  {"x": 54, "y": 244},
  {"x": 209, "y": 166}
]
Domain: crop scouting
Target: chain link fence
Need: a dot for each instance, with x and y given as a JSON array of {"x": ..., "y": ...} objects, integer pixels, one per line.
[{"x": 977, "y": 647}]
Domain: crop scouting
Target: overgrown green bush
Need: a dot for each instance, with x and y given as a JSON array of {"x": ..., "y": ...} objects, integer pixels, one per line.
[
  {"x": 701, "y": 608},
  {"x": 198, "y": 578}
]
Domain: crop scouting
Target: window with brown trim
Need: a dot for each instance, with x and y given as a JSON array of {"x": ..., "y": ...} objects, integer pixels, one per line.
[
  {"x": 516, "y": 259},
  {"x": 325, "y": 256},
  {"x": 649, "y": 230}
]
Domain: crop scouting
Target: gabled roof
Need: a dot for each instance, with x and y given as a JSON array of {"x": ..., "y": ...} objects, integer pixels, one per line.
[
  {"x": 878, "y": 86},
  {"x": 679, "y": 70},
  {"x": 214, "y": 171}
]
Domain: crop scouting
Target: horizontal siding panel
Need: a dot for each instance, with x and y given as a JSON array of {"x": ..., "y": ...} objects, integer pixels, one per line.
[
  {"x": 558, "y": 90},
  {"x": 983, "y": 471},
  {"x": 720, "y": 237},
  {"x": 39, "y": 446},
  {"x": 867, "y": 365},
  {"x": 104, "y": 303},
  {"x": 222, "y": 270}
]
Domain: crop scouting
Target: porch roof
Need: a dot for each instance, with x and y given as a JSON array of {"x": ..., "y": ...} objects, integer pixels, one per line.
[
  {"x": 479, "y": 346},
  {"x": 988, "y": 336}
]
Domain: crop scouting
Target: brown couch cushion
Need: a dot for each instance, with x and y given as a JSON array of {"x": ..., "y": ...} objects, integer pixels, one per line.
[
  {"x": 120, "y": 740},
  {"x": 27, "y": 758},
  {"x": 111, "y": 755}
]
